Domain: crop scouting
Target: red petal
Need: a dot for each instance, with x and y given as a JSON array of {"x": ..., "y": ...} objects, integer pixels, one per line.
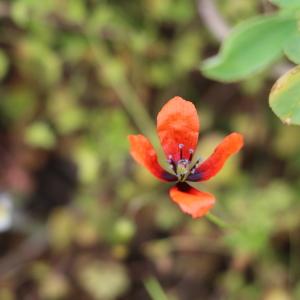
[
  {"x": 211, "y": 166},
  {"x": 178, "y": 123},
  {"x": 192, "y": 201},
  {"x": 143, "y": 152}
]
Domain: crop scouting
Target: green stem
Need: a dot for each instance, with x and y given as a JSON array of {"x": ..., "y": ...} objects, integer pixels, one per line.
[
  {"x": 154, "y": 289},
  {"x": 219, "y": 222},
  {"x": 114, "y": 73}
]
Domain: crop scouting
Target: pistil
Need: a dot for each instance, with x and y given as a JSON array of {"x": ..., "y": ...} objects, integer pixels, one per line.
[{"x": 182, "y": 167}]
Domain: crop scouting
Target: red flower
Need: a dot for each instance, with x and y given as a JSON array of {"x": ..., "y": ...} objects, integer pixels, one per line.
[{"x": 178, "y": 130}]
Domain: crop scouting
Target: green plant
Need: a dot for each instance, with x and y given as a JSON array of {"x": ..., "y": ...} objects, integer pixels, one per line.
[{"x": 254, "y": 45}]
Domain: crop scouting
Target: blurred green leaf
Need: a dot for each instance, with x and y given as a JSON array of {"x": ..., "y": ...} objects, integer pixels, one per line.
[
  {"x": 154, "y": 289},
  {"x": 104, "y": 18},
  {"x": 287, "y": 3},
  {"x": 186, "y": 51},
  {"x": 37, "y": 58},
  {"x": 19, "y": 13},
  {"x": 18, "y": 103},
  {"x": 6, "y": 293},
  {"x": 277, "y": 293},
  {"x": 24, "y": 11},
  {"x": 66, "y": 113},
  {"x": 286, "y": 143},
  {"x": 167, "y": 215},
  {"x": 160, "y": 73},
  {"x": 75, "y": 10},
  {"x": 87, "y": 234},
  {"x": 238, "y": 288},
  {"x": 123, "y": 230},
  {"x": 251, "y": 46},
  {"x": 73, "y": 119},
  {"x": 4, "y": 63},
  {"x": 103, "y": 280},
  {"x": 266, "y": 206},
  {"x": 237, "y": 11},
  {"x": 284, "y": 98},
  {"x": 73, "y": 47},
  {"x": 182, "y": 11},
  {"x": 158, "y": 9},
  {"x": 39, "y": 134},
  {"x": 292, "y": 49},
  {"x": 170, "y": 10},
  {"x": 54, "y": 286},
  {"x": 61, "y": 229},
  {"x": 115, "y": 143},
  {"x": 296, "y": 292},
  {"x": 88, "y": 162}
]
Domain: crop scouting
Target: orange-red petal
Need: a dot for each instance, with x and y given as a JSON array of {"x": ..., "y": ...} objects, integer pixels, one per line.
[
  {"x": 178, "y": 123},
  {"x": 143, "y": 153},
  {"x": 230, "y": 145},
  {"x": 191, "y": 201}
]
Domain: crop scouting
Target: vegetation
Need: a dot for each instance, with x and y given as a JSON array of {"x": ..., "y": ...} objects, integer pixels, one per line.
[{"x": 79, "y": 219}]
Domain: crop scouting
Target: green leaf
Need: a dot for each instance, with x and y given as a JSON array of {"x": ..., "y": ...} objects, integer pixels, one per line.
[
  {"x": 88, "y": 163},
  {"x": 3, "y": 64},
  {"x": 251, "y": 47},
  {"x": 285, "y": 97},
  {"x": 39, "y": 59},
  {"x": 103, "y": 279},
  {"x": 292, "y": 49},
  {"x": 154, "y": 289},
  {"x": 39, "y": 134},
  {"x": 123, "y": 231},
  {"x": 286, "y": 3}
]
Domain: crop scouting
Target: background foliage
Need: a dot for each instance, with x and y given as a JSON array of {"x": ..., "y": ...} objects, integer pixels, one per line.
[{"x": 79, "y": 219}]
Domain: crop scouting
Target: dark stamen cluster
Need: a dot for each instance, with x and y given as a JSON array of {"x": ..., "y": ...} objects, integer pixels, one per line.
[{"x": 182, "y": 167}]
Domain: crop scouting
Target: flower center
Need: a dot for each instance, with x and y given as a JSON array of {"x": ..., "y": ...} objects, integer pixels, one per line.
[{"x": 182, "y": 168}]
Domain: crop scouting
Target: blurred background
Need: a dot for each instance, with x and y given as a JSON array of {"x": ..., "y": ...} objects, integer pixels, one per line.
[{"x": 78, "y": 218}]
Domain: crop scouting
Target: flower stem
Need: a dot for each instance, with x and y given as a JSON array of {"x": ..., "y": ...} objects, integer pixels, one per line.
[
  {"x": 114, "y": 73},
  {"x": 219, "y": 222},
  {"x": 154, "y": 289}
]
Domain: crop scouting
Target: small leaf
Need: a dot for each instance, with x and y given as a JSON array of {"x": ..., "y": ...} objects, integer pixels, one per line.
[
  {"x": 60, "y": 229},
  {"x": 292, "y": 49},
  {"x": 123, "y": 231},
  {"x": 88, "y": 163},
  {"x": 286, "y": 3},
  {"x": 39, "y": 134},
  {"x": 154, "y": 289},
  {"x": 3, "y": 64},
  {"x": 53, "y": 286},
  {"x": 103, "y": 279},
  {"x": 251, "y": 47},
  {"x": 285, "y": 97}
]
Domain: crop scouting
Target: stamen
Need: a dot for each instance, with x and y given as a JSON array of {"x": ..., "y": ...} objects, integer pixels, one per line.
[
  {"x": 180, "y": 148},
  {"x": 191, "y": 151},
  {"x": 172, "y": 164},
  {"x": 196, "y": 165}
]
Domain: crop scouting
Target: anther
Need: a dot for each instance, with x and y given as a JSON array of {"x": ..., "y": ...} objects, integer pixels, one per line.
[
  {"x": 172, "y": 163},
  {"x": 191, "y": 151},
  {"x": 180, "y": 146},
  {"x": 196, "y": 165}
]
